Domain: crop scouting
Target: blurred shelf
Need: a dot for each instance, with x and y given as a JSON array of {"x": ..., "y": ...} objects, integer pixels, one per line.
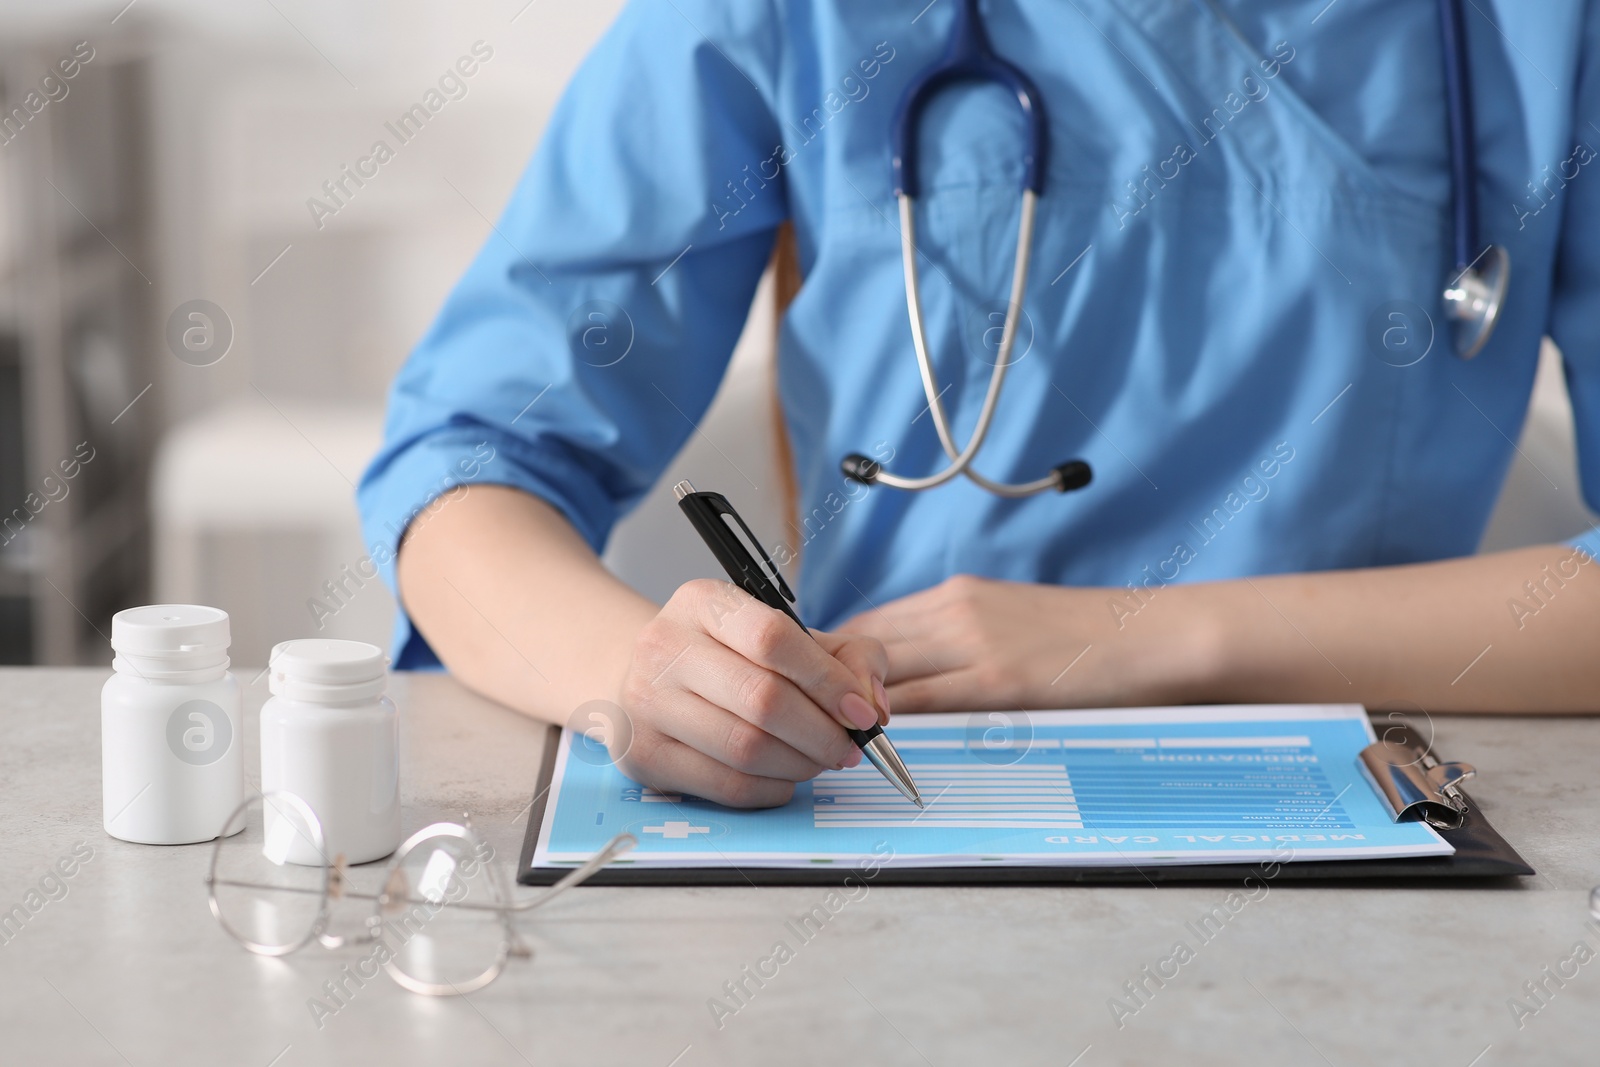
[
  {"x": 90, "y": 270},
  {"x": 79, "y": 298},
  {"x": 15, "y": 582},
  {"x": 111, "y": 526}
]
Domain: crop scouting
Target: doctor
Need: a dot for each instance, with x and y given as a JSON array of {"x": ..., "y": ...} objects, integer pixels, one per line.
[{"x": 1244, "y": 219}]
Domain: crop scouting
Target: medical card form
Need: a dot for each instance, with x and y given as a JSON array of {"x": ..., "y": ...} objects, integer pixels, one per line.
[{"x": 1085, "y": 788}]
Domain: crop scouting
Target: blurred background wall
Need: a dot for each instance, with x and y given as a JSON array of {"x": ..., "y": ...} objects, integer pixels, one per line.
[
  {"x": 193, "y": 360},
  {"x": 213, "y": 457}
]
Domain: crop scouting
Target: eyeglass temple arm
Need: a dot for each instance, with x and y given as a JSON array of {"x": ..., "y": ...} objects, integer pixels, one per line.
[
  {"x": 618, "y": 845},
  {"x": 578, "y": 875}
]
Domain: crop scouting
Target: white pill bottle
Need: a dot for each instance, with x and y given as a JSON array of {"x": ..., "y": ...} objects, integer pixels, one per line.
[
  {"x": 171, "y": 728},
  {"x": 331, "y": 737}
]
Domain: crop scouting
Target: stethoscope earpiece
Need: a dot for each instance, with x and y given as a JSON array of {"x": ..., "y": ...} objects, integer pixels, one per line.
[
  {"x": 1073, "y": 474},
  {"x": 859, "y": 468}
]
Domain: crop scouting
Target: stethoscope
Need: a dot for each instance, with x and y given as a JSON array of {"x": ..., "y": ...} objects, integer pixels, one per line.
[{"x": 1473, "y": 295}]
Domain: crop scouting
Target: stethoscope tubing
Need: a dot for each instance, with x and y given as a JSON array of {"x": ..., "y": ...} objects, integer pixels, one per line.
[
  {"x": 1459, "y": 121},
  {"x": 1473, "y": 297},
  {"x": 961, "y": 458},
  {"x": 968, "y": 56}
]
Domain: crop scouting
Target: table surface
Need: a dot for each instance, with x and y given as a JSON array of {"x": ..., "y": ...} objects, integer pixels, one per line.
[{"x": 128, "y": 967}]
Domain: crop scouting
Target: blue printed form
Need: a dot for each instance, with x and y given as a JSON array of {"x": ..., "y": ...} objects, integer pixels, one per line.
[{"x": 1245, "y": 784}]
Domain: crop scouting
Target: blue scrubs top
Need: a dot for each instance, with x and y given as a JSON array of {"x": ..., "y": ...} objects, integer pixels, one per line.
[{"x": 1234, "y": 311}]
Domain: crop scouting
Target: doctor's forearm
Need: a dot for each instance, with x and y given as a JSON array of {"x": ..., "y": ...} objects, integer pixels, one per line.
[
  {"x": 1510, "y": 631},
  {"x": 713, "y": 693},
  {"x": 516, "y": 604}
]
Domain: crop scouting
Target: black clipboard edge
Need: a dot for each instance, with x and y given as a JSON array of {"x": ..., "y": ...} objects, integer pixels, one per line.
[
  {"x": 1482, "y": 857},
  {"x": 541, "y": 799}
]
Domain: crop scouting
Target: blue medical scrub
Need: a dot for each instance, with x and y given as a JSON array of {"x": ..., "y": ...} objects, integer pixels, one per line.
[{"x": 1234, "y": 313}]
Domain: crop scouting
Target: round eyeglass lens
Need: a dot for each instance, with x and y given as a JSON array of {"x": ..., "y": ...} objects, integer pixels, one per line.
[
  {"x": 439, "y": 914},
  {"x": 269, "y": 886}
]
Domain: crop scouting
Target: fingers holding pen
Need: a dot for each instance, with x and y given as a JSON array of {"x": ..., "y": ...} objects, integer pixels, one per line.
[
  {"x": 768, "y": 703},
  {"x": 732, "y": 701},
  {"x": 867, "y": 660},
  {"x": 770, "y": 640}
]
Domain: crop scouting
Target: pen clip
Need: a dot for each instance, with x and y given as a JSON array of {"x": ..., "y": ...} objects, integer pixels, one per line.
[{"x": 719, "y": 504}]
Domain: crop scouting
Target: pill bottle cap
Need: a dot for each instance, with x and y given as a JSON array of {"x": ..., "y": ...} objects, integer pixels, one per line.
[
  {"x": 327, "y": 672},
  {"x": 170, "y": 642}
]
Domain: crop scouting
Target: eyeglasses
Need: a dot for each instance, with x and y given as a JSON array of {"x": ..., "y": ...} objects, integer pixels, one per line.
[{"x": 441, "y": 925}]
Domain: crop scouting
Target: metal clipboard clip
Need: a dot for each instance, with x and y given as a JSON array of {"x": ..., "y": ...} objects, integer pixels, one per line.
[{"x": 1415, "y": 783}]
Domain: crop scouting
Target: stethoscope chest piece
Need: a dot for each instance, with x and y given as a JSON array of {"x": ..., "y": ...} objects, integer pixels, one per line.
[{"x": 1473, "y": 300}]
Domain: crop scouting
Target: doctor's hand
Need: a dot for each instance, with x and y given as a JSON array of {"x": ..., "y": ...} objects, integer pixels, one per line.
[
  {"x": 731, "y": 701},
  {"x": 976, "y": 644}
]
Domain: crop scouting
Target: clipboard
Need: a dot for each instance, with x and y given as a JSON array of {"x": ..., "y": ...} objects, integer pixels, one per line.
[{"x": 1400, "y": 766}]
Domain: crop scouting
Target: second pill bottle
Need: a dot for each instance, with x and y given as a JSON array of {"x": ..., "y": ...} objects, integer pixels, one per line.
[{"x": 330, "y": 736}]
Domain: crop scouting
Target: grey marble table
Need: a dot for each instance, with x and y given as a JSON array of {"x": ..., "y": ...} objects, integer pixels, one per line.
[{"x": 126, "y": 965}]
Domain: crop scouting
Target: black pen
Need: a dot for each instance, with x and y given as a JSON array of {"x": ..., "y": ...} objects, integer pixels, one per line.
[{"x": 709, "y": 512}]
